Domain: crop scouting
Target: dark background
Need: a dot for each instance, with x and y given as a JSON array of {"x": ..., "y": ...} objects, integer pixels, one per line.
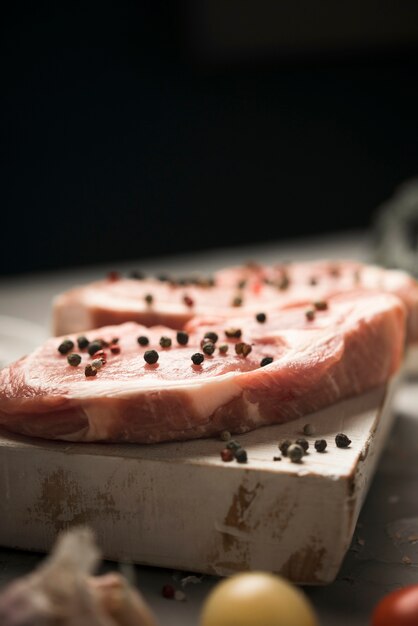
[{"x": 131, "y": 130}]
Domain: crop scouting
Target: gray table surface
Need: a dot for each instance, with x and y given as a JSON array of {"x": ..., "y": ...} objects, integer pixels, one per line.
[{"x": 384, "y": 551}]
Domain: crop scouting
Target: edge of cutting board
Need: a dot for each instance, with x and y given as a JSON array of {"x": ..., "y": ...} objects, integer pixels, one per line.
[{"x": 177, "y": 505}]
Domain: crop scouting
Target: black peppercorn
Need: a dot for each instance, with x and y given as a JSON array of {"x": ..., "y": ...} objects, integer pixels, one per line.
[
  {"x": 295, "y": 453},
  {"x": 197, "y": 358},
  {"x": 74, "y": 359},
  {"x": 261, "y": 317},
  {"x": 149, "y": 298},
  {"x": 208, "y": 348},
  {"x": 266, "y": 360},
  {"x": 95, "y": 346},
  {"x": 309, "y": 429},
  {"x": 241, "y": 455},
  {"x": 66, "y": 346},
  {"x": 321, "y": 305},
  {"x": 233, "y": 445},
  {"x": 284, "y": 445},
  {"x": 182, "y": 338},
  {"x": 320, "y": 445},
  {"x": 303, "y": 443},
  {"x": 82, "y": 342},
  {"x": 143, "y": 341},
  {"x": 223, "y": 348},
  {"x": 342, "y": 440},
  {"x": 165, "y": 342},
  {"x": 151, "y": 356}
]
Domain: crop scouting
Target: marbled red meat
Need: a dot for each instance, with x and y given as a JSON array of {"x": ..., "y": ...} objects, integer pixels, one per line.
[
  {"x": 307, "y": 281},
  {"x": 245, "y": 289},
  {"x": 355, "y": 344}
]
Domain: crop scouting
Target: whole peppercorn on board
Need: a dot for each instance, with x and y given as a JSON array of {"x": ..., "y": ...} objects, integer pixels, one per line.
[{"x": 180, "y": 505}]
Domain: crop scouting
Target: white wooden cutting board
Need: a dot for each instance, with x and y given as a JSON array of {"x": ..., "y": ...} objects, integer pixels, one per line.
[{"x": 179, "y": 506}]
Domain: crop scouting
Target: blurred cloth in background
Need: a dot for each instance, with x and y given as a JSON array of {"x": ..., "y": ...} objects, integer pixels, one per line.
[
  {"x": 134, "y": 130},
  {"x": 395, "y": 229}
]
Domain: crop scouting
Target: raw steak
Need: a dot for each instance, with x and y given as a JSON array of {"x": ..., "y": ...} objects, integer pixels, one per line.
[
  {"x": 115, "y": 301},
  {"x": 306, "y": 281},
  {"x": 356, "y": 343},
  {"x": 246, "y": 289}
]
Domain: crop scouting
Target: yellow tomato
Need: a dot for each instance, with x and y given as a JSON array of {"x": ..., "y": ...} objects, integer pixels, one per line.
[{"x": 257, "y": 599}]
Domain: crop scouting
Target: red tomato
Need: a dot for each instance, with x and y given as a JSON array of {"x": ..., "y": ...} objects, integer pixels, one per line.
[{"x": 398, "y": 608}]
